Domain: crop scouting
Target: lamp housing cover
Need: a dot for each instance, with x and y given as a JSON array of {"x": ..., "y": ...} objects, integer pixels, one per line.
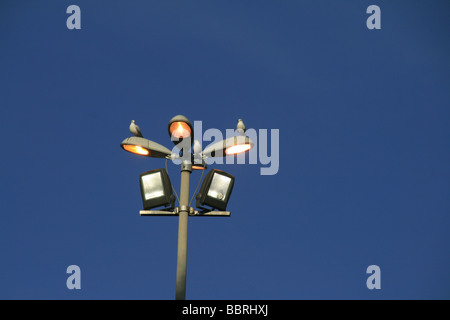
[{"x": 180, "y": 129}]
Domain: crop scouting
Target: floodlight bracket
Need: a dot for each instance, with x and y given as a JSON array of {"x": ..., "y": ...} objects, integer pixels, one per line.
[
  {"x": 184, "y": 209},
  {"x": 192, "y": 213},
  {"x": 211, "y": 213},
  {"x": 157, "y": 213}
]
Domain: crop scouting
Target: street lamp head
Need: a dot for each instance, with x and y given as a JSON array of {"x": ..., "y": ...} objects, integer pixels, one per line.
[
  {"x": 180, "y": 128},
  {"x": 199, "y": 166},
  {"x": 238, "y": 148},
  {"x": 145, "y": 147},
  {"x": 198, "y": 163},
  {"x": 136, "y": 149},
  {"x": 230, "y": 146}
]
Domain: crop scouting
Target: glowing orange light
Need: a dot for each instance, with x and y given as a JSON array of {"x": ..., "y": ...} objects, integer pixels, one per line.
[
  {"x": 198, "y": 167},
  {"x": 136, "y": 149},
  {"x": 180, "y": 129},
  {"x": 238, "y": 148}
]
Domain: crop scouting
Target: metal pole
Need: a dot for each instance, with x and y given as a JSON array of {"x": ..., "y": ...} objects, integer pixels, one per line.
[{"x": 180, "y": 291}]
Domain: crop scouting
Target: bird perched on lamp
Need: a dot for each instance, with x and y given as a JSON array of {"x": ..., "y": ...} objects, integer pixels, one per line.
[
  {"x": 240, "y": 127},
  {"x": 197, "y": 148},
  {"x": 135, "y": 130}
]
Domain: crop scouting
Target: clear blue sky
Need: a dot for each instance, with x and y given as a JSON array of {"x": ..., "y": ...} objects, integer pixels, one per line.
[{"x": 364, "y": 120}]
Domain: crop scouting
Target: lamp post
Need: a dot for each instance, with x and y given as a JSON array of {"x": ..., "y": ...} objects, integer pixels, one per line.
[
  {"x": 180, "y": 291},
  {"x": 156, "y": 186}
]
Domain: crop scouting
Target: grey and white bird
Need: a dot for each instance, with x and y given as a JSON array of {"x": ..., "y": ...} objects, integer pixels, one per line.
[
  {"x": 197, "y": 148},
  {"x": 240, "y": 126},
  {"x": 135, "y": 130}
]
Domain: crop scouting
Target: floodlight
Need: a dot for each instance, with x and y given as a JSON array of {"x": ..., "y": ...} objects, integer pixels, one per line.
[
  {"x": 230, "y": 146},
  {"x": 215, "y": 190},
  {"x": 156, "y": 189},
  {"x": 145, "y": 147}
]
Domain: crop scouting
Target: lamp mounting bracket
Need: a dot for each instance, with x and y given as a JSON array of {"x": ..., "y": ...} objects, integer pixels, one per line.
[
  {"x": 188, "y": 209},
  {"x": 186, "y": 165}
]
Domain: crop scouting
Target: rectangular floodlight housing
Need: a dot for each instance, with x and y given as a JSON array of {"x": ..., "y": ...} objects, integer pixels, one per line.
[
  {"x": 156, "y": 189},
  {"x": 215, "y": 190}
]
